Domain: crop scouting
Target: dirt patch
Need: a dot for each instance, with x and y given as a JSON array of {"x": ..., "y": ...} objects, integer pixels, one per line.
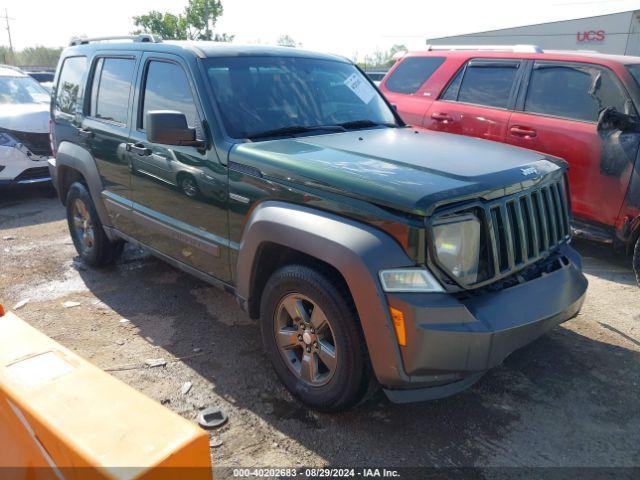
[{"x": 570, "y": 399}]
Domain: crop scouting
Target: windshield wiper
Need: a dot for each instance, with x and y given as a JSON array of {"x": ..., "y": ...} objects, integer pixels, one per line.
[
  {"x": 365, "y": 124},
  {"x": 295, "y": 129}
]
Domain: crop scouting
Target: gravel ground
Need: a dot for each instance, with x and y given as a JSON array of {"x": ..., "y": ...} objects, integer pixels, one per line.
[{"x": 572, "y": 398}]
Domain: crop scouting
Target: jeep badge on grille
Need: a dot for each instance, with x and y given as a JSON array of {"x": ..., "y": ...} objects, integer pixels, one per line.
[{"x": 529, "y": 171}]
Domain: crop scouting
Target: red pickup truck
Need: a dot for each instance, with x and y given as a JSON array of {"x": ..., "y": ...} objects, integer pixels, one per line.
[{"x": 582, "y": 107}]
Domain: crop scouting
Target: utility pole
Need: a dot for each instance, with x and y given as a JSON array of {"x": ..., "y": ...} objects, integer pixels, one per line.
[
  {"x": 6, "y": 17},
  {"x": 207, "y": 31}
]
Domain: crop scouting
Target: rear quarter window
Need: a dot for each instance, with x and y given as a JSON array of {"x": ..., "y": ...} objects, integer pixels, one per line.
[
  {"x": 411, "y": 74},
  {"x": 68, "y": 93}
]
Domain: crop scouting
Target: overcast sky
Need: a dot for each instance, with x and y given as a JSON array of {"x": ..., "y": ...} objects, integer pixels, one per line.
[{"x": 346, "y": 27}]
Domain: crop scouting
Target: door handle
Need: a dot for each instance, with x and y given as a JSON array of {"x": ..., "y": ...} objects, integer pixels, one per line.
[
  {"x": 85, "y": 133},
  {"x": 139, "y": 149},
  {"x": 442, "y": 117},
  {"x": 526, "y": 132}
]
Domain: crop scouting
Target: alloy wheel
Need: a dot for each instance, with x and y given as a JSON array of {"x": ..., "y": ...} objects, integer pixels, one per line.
[
  {"x": 305, "y": 339},
  {"x": 189, "y": 187},
  {"x": 83, "y": 225}
]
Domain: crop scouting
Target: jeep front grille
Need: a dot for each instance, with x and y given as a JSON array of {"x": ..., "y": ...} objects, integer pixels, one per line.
[
  {"x": 520, "y": 229},
  {"x": 527, "y": 227}
]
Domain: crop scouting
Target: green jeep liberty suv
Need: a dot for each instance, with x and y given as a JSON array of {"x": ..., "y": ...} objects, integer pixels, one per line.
[{"x": 371, "y": 253}]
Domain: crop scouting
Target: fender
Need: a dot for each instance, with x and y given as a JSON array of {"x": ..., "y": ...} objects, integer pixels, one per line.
[
  {"x": 78, "y": 158},
  {"x": 356, "y": 250}
]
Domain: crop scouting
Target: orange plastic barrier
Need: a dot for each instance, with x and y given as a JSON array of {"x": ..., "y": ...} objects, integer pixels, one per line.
[{"x": 63, "y": 418}]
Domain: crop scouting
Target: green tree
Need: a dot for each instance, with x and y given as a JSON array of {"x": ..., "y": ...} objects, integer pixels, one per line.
[
  {"x": 380, "y": 59},
  {"x": 201, "y": 16},
  {"x": 197, "y": 22},
  {"x": 37, "y": 56},
  {"x": 287, "y": 41},
  {"x": 167, "y": 25}
]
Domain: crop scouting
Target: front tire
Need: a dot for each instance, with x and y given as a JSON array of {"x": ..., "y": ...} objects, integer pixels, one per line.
[
  {"x": 312, "y": 336},
  {"x": 88, "y": 235},
  {"x": 636, "y": 261}
]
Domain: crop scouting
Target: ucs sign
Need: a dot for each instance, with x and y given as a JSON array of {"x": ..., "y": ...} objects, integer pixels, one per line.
[{"x": 591, "y": 36}]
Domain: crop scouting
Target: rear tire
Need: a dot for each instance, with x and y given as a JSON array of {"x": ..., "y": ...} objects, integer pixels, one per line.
[
  {"x": 329, "y": 343},
  {"x": 636, "y": 261},
  {"x": 88, "y": 235}
]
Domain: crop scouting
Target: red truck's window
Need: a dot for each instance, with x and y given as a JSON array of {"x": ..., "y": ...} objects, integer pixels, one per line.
[
  {"x": 483, "y": 83},
  {"x": 573, "y": 91},
  {"x": 634, "y": 69},
  {"x": 412, "y": 73}
]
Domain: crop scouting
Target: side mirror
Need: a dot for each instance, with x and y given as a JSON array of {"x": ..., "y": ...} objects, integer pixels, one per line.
[{"x": 168, "y": 127}]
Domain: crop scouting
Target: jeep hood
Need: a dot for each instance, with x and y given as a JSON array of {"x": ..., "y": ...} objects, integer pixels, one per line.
[
  {"x": 25, "y": 117},
  {"x": 405, "y": 169}
]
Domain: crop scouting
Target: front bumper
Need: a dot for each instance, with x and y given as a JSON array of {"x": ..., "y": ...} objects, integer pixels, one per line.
[
  {"x": 18, "y": 169},
  {"x": 452, "y": 341}
]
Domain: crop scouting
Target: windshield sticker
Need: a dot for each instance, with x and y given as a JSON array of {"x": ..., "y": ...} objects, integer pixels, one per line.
[{"x": 360, "y": 87}]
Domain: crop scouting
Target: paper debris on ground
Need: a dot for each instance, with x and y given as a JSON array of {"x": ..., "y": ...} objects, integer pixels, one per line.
[
  {"x": 70, "y": 304},
  {"x": 155, "y": 362},
  {"x": 21, "y": 303},
  {"x": 186, "y": 386}
]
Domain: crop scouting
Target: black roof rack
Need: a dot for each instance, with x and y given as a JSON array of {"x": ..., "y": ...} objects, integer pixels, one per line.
[{"x": 143, "y": 37}]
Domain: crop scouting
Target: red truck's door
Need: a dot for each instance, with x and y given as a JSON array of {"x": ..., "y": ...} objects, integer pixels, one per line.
[
  {"x": 478, "y": 100},
  {"x": 557, "y": 114}
]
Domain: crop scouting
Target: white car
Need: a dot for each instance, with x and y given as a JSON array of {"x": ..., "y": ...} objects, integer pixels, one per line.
[{"x": 24, "y": 129}]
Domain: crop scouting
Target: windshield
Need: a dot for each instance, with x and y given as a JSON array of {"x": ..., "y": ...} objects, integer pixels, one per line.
[
  {"x": 266, "y": 94},
  {"x": 20, "y": 90}
]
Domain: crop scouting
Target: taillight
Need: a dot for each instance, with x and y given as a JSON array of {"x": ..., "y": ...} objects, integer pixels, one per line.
[{"x": 52, "y": 142}]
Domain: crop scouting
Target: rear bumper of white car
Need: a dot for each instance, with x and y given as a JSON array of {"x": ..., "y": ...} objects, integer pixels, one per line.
[{"x": 16, "y": 167}]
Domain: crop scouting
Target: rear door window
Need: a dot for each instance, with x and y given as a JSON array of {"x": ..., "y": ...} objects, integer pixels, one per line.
[
  {"x": 111, "y": 89},
  {"x": 574, "y": 91},
  {"x": 411, "y": 74},
  {"x": 489, "y": 83},
  {"x": 68, "y": 93},
  {"x": 167, "y": 88}
]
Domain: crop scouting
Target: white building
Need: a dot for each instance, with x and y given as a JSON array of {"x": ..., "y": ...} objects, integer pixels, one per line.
[{"x": 616, "y": 33}]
